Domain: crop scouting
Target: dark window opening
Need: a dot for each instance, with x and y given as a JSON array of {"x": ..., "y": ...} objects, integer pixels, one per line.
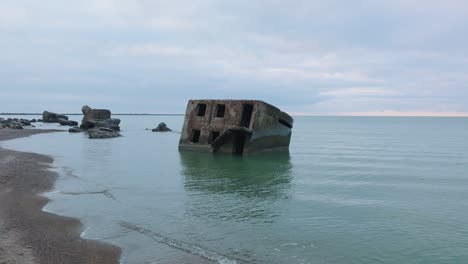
[
  {"x": 220, "y": 109},
  {"x": 213, "y": 136},
  {"x": 284, "y": 123},
  {"x": 201, "y": 109},
  {"x": 238, "y": 143},
  {"x": 195, "y": 136},
  {"x": 246, "y": 115}
]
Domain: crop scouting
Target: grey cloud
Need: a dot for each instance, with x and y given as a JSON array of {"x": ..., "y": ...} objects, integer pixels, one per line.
[{"x": 304, "y": 56}]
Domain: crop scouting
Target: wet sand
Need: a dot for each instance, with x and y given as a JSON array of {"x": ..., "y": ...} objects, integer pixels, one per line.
[{"x": 29, "y": 235}]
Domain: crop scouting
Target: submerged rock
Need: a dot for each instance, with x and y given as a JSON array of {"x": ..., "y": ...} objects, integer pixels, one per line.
[
  {"x": 50, "y": 117},
  {"x": 64, "y": 122},
  {"x": 102, "y": 132},
  {"x": 75, "y": 129},
  {"x": 162, "y": 127}
]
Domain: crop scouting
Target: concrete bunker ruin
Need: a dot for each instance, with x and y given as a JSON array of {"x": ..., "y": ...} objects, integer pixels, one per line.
[{"x": 235, "y": 126}]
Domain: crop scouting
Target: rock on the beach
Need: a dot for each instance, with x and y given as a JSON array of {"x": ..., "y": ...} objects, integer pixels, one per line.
[
  {"x": 102, "y": 132},
  {"x": 64, "y": 122},
  {"x": 74, "y": 129},
  {"x": 162, "y": 127},
  {"x": 24, "y": 122},
  {"x": 12, "y": 123},
  {"x": 15, "y": 123},
  {"x": 50, "y": 117}
]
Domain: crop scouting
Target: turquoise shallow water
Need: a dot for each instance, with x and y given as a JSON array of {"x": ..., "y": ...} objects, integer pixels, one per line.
[{"x": 350, "y": 190}]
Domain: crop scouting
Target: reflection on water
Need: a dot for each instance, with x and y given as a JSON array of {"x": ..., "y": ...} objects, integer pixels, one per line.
[
  {"x": 235, "y": 187},
  {"x": 354, "y": 190},
  {"x": 264, "y": 176}
]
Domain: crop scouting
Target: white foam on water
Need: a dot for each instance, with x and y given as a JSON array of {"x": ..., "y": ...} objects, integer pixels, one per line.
[
  {"x": 84, "y": 232},
  {"x": 184, "y": 246},
  {"x": 289, "y": 244}
]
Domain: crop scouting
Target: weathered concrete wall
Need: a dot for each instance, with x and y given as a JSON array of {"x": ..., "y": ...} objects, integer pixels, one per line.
[
  {"x": 98, "y": 115},
  {"x": 264, "y": 130},
  {"x": 91, "y": 116},
  {"x": 209, "y": 122},
  {"x": 268, "y": 132}
]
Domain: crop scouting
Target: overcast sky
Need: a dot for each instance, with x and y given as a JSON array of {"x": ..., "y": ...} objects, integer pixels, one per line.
[{"x": 395, "y": 57}]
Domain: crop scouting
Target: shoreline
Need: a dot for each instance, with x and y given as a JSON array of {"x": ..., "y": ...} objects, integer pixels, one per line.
[{"x": 27, "y": 233}]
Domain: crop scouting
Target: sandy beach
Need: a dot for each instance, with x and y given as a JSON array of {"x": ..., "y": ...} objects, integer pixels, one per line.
[{"x": 28, "y": 234}]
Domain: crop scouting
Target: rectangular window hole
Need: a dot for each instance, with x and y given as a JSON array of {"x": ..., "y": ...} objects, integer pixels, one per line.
[
  {"x": 220, "y": 109},
  {"x": 201, "y": 109},
  {"x": 213, "y": 136},
  {"x": 247, "y": 110},
  {"x": 195, "y": 136}
]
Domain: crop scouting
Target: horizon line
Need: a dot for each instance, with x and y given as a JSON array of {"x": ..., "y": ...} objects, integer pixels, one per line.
[
  {"x": 6, "y": 113},
  {"x": 465, "y": 115},
  {"x": 388, "y": 114}
]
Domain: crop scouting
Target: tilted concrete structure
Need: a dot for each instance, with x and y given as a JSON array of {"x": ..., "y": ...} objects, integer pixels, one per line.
[
  {"x": 235, "y": 126},
  {"x": 91, "y": 116}
]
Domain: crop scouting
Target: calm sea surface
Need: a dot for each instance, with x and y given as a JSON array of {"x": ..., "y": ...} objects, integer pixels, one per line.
[{"x": 351, "y": 190}]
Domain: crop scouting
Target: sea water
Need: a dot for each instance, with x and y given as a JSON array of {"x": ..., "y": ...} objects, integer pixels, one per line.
[{"x": 350, "y": 190}]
